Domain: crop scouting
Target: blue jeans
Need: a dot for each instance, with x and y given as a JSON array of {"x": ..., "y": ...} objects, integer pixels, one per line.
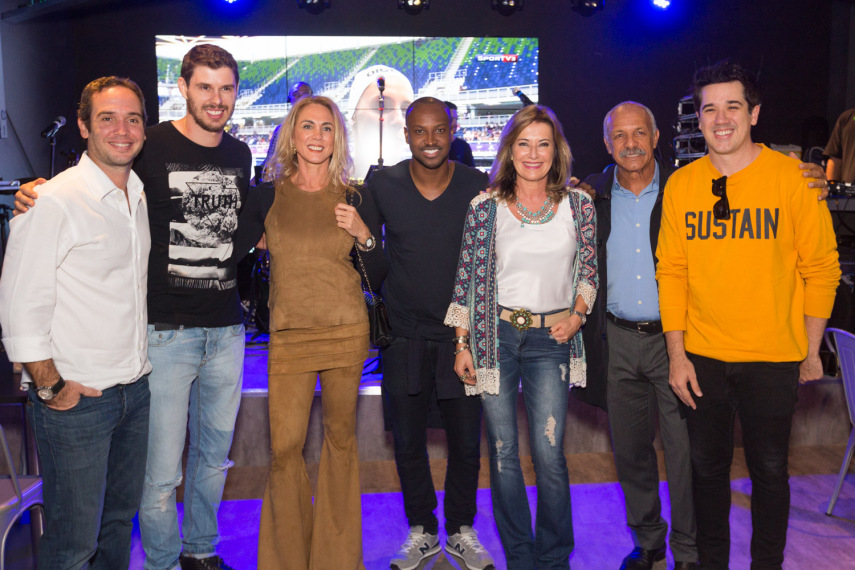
[
  {"x": 93, "y": 465},
  {"x": 543, "y": 365},
  {"x": 196, "y": 372}
]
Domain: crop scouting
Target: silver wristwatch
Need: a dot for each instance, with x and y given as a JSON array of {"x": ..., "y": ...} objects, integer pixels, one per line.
[
  {"x": 368, "y": 245},
  {"x": 48, "y": 393},
  {"x": 582, "y": 316}
]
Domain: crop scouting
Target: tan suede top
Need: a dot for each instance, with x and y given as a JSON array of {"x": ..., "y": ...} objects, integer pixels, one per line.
[{"x": 312, "y": 280}]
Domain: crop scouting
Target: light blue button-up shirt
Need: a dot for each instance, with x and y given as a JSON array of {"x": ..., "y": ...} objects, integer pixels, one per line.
[{"x": 632, "y": 292}]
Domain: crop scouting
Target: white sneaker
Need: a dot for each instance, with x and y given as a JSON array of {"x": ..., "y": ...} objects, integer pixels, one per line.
[
  {"x": 418, "y": 546},
  {"x": 466, "y": 547}
]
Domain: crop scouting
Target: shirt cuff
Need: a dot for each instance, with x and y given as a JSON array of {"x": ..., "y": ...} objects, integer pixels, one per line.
[
  {"x": 673, "y": 319},
  {"x": 28, "y": 348},
  {"x": 819, "y": 302}
]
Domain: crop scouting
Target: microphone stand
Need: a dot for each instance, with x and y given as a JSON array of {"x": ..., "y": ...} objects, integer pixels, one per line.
[
  {"x": 381, "y": 87},
  {"x": 379, "y": 166},
  {"x": 52, "y": 152}
]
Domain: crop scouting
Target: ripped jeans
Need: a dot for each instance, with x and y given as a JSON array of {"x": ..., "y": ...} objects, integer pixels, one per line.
[
  {"x": 197, "y": 373},
  {"x": 543, "y": 366}
]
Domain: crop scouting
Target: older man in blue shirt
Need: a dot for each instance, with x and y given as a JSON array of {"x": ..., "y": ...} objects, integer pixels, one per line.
[{"x": 626, "y": 346}]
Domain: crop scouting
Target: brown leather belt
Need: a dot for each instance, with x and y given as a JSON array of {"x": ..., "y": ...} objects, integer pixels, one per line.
[{"x": 523, "y": 319}]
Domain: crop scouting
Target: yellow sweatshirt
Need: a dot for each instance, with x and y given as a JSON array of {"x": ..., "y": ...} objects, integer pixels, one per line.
[{"x": 740, "y": 288}]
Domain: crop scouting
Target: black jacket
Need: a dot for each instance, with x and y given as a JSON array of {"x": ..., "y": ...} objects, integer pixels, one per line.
[{"x": 594, "y": 332}]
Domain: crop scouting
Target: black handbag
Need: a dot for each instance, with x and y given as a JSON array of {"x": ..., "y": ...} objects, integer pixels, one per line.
[
  {"x": 378, "y": 317},
  {"x": 380, "y": 333}
]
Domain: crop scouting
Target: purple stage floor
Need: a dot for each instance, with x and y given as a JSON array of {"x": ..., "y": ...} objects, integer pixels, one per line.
[{"x": 602, "y": 539}]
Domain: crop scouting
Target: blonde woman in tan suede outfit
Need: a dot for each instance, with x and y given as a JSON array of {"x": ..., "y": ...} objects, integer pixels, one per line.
[{"x": 318, "y": 326}]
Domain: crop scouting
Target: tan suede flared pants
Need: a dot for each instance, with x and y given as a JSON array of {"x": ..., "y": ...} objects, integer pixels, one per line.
[{"x": 296, "y": 534}]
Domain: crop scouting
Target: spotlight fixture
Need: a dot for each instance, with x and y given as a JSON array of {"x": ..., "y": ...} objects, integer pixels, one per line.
[
  {"x": 506, "y": 7},
  {"x": 663, "y": 4},
  {"x": 313, "y": 6},
  {"x": 230, "y": 8},
  {"x": 413, "y": 6},
  {"x": 587, "y": 7}
]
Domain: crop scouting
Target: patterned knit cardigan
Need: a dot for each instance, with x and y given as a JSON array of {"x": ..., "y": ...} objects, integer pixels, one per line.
[{"x": 475, "y": 307}]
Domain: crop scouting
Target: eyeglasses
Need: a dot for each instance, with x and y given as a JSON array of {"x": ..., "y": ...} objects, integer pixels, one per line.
[{"x": 721, "y": 209}]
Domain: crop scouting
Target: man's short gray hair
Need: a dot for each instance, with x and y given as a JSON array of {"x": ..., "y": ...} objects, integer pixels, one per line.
[{"x": 609, "y": 116}]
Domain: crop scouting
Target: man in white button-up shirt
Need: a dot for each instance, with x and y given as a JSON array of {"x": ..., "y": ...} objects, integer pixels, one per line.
[{"x": 73, "y": 310}]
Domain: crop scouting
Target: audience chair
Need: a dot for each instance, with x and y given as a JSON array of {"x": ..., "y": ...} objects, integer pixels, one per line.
[
  {"x": 842, "y": 344},
  {"x": 17, "y": 495}
]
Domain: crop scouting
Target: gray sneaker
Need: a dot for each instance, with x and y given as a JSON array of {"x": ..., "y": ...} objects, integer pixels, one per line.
[
  {"x": 466, "y": 547},
  {"x": 418, "y": 546}
]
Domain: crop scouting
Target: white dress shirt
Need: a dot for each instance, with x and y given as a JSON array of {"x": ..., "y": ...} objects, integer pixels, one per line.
[{"x": 73, "y": 286}]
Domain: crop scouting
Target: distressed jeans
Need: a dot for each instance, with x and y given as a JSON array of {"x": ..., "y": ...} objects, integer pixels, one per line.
[
  {"x": 197, "y": 373},
  {"x": 543, "y": 366}
]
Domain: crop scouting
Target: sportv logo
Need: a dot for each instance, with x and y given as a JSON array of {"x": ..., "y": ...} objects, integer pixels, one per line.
[{"x": 504, "y": 58}]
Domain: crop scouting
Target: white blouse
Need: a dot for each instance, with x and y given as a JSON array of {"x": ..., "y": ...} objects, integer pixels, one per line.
[{"x": 534, "y": 262}]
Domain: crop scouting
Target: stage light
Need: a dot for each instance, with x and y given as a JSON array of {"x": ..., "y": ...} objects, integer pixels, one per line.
[
  {"x": 413, "y": 6},
  {"x": 587, "y": 7},
  {"x": 313, "y": 6},
  {"x": 232, "y": 8},
  {"x": 506, "y": 7},
  {"x": 662, "y": 3}
]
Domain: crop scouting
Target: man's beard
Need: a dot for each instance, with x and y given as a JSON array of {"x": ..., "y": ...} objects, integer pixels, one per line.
[{"x": 204, "y": 121}]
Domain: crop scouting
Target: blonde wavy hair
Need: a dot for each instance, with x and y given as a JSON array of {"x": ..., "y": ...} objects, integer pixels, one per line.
[
  {"x": 503, "y": 175},
  {"x": 284, "y": 161}
]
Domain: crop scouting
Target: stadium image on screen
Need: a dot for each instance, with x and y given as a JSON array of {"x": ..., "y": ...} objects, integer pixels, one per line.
[{"x": 479, "y": 75}]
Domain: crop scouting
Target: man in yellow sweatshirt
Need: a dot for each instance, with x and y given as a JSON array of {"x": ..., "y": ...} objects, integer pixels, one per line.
[{"x": 747, "y": 274}]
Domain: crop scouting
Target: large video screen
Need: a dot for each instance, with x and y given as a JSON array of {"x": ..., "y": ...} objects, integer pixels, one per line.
[{"x": 479, "y": 75}]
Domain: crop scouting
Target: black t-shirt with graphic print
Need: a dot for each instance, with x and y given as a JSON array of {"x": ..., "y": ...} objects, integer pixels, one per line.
[{"x": 194, "y": 195}]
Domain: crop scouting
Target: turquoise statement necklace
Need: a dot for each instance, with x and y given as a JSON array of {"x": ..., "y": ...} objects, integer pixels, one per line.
[{"x": 543, "y": 215}]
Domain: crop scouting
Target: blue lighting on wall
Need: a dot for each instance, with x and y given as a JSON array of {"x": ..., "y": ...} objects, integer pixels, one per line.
[{"x": 663, "y": 4}]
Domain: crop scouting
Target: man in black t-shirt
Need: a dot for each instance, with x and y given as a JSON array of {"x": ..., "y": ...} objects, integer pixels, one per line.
[
  {"x": 196, "y": 178},
  {"x": 423, "y": 203}
]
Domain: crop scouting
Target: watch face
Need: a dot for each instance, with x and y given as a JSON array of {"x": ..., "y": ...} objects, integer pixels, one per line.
[
  {"x": 369, "y": 242},
  {"x": 45, "y": 393}
]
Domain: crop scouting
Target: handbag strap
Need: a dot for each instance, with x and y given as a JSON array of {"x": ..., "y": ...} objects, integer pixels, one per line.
[
  {"x": 362, "y": 266},
  {"x": 358, "y": 256}
]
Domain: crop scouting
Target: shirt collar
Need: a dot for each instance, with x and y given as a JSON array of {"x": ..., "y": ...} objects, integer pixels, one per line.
[
  {"x": 99, "y": 183},
  {"x": 652, "y": 187}
]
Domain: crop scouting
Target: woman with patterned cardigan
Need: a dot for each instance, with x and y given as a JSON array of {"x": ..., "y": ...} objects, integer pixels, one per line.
[{"x": 526, "y": 279}]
